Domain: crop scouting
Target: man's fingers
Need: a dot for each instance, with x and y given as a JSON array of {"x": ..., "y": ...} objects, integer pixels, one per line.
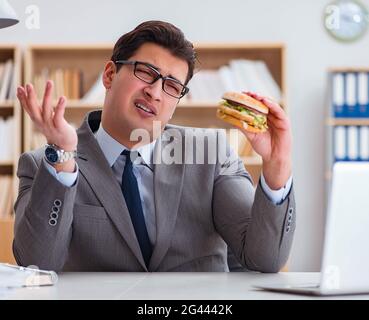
[
  {"x": 274, "y": 108},
  {"x": 32, "y": 110},
  {"x": 278, "y": 123},
  {"x": 33, "y": 103},
  {"x": 47, "y": 110},
  {"x": 21, "y": 94},
  {"x": 249, "y": 135},
  {"x": 31, "y": 96},
  {"x": 253, "y": 95},
  {"x": 59, "y": 113},
  {"x": 259, "y": 96}
]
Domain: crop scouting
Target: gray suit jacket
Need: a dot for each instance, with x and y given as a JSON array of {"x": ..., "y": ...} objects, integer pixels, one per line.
[{"x": 199, "y": 211}]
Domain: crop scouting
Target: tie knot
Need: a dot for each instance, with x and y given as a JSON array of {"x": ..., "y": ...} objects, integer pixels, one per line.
[
  {"x": 126, "y": 152},
  {"x": 131, "y": 156}
]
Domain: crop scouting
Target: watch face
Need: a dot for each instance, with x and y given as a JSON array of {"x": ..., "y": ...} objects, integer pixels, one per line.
[
  {"x": 51, "y": 155},
  {"x": 346, "y": 20}
]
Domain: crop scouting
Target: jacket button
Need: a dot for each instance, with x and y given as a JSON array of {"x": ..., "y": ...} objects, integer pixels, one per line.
[
  {"x": 54, "y": 215},
  {"x": 55, "y": 209},
  {"x": 57, "y": 203},
  {"x": 288, "y": 229},
  {"x": 53, "y": 222},
  {"x": 290, "y": 210}
]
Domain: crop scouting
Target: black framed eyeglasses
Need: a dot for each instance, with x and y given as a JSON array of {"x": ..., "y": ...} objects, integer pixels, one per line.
[{"x": 147, "y": 73}]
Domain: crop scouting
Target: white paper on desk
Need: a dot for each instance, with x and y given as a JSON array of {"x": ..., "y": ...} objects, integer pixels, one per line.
[
  {"x": 14, "y": 276},
  {"x": 4, "y": 292}
]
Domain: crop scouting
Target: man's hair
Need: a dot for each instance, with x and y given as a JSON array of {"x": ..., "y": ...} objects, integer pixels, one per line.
[{"x": 161, "y": 33}]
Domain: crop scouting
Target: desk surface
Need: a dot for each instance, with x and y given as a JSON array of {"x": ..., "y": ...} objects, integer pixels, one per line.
[{"x": 171, "y": 286}]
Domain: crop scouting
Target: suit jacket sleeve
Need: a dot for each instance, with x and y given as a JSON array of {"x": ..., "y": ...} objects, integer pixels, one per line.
[
  {"x": 258, "y": 232},
  {"x": 36, "y": 241}
]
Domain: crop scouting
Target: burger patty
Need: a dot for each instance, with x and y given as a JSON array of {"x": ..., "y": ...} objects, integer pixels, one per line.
[
  {"x": 255, "y": 119},
  {"x": 234, "y": 104}
]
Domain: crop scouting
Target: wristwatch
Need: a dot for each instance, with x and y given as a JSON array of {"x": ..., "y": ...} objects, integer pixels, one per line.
[{"x": 54, "y": 154}]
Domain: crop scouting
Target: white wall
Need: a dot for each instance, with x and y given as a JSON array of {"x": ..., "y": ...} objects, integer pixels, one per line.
[{"x": 310, "y": 51}]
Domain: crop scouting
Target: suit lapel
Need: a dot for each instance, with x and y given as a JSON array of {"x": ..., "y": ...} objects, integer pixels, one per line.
[
  {"x": 168, "y": 181},
  {"x": 97, "y": 172}
]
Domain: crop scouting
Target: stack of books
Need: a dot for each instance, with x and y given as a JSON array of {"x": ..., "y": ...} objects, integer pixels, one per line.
[
  {"x": 349, "y": 103},
  {"x": 351, "y": 143},
  {"x": 67, "y": 82},
  {"x": 238, "y": 75},
  {"x": 350, "y": 92}
]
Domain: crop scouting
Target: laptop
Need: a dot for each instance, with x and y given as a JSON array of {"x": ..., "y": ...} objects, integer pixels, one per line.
[{"x": 345, "y": 263}]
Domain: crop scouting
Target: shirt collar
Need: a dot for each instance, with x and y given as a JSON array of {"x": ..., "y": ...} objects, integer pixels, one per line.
[{"x": 112, "y": 148}]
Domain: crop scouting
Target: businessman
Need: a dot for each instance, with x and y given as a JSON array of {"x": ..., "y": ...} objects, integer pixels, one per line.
[{"x": 95, "y": 199}]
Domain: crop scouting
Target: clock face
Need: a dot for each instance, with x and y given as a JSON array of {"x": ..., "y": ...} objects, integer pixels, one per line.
[{"x": 346, "y": 20}]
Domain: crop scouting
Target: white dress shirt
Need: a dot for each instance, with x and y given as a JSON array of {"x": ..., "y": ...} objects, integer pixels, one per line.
[{"x": 144, "y": 173}]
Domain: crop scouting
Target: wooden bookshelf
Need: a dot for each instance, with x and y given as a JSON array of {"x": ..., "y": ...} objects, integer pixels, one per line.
[
  {"x": 10, "y": 108},
  {"x": 90, "y": 59},
  {"x": 347, "y": 122}
]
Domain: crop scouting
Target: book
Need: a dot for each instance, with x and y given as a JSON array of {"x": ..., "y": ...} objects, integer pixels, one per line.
[
  {"x": 12, "y": 276},
  {"x": 364, "y": 143},
  {"x": 96, "y": 93},
  {"x": 352, "y": 143},
  {"x": 5, "y": 81},
  {"x": 363, "y": 92},
  {"x": 338, "y": 94},
  {"x": 351, "y": 96},
  {"x": 339, "y": 143}
]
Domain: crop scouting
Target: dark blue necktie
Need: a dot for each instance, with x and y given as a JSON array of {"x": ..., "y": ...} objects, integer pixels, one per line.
[{"x": 132, "y": 196}]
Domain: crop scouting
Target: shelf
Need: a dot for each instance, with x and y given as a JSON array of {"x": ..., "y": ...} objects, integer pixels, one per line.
[
  {"x": 90, "y": 59},
  {"x": 198, "y": 105},
  {"x": 77, "y": 104},
  {"x": 185, "y": 105},
  {"x": 6, "y": 163},
  {"x": 206, "y": 104},
  {"x": 252, "y": 160},
  {"x": 349, "y": 69},
  {"x": 6, "y": 104},
  {"x": 347, "y": 122},
  {"x": 98, "y": 104}
]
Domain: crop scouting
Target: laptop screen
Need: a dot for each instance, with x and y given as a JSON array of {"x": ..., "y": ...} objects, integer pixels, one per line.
[{"x": 345, "y": 263}]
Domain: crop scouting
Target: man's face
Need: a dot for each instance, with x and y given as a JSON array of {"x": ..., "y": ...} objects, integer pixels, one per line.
[{"x": 127, "y": 96}]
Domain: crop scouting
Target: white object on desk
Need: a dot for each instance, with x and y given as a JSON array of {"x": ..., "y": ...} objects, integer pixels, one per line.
[{"x": 15, "y": 276}]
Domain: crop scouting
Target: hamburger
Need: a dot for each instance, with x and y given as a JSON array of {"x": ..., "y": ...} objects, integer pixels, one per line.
[{"x": 243, "y": 111}]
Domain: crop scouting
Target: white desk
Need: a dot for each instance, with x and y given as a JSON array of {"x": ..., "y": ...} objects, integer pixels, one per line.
[{"x": 171, "y": 286}]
